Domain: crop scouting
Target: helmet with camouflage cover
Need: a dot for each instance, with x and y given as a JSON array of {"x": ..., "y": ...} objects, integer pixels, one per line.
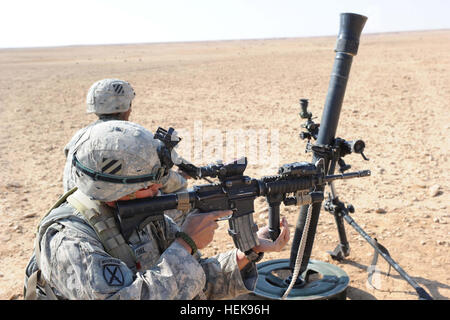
[
  {"x": 114, "y": 159},
  {"x": 109, "y": 96}
]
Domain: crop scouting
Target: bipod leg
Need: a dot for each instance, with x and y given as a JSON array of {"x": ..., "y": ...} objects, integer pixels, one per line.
[
  {"x": 343, "y": 248},
  {"x": 379, "y": 249},
  {"x": 338, "y": 209}
]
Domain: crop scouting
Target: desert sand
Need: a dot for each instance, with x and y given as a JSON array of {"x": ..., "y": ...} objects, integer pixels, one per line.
[{"x": 397, "y": 101}]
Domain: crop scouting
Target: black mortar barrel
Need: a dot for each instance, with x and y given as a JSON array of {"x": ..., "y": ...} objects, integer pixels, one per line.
[{"x": 351, "y": 26}]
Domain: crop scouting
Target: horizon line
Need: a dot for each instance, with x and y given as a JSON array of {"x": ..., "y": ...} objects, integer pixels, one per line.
[{"x": 213, "y": 40}]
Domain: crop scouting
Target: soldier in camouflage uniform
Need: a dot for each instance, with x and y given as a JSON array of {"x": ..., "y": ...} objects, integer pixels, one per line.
[
  {"x": 111, "y": 99},
  {"x": 80, "y": 252}
]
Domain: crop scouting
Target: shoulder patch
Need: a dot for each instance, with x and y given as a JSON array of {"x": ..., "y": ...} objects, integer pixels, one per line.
[{"x": 113, "y": 275}]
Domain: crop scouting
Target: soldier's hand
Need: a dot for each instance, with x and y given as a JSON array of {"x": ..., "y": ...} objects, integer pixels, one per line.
[
  {"x": 267, "y": 245},
  {"x": 201, "y": 226}
]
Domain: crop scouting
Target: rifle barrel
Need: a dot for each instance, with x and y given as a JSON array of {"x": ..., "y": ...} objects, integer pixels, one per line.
[{"x": 349, "y": 175}]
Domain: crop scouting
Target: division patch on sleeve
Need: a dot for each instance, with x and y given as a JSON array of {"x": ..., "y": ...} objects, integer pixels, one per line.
[{"x": 113, "y": 275}]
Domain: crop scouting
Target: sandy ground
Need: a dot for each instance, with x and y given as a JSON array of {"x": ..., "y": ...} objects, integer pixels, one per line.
[{"x": 397, "y": 101}]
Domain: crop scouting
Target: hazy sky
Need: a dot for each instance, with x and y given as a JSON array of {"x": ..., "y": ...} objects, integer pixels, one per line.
[{"x": 31, "y": 23}]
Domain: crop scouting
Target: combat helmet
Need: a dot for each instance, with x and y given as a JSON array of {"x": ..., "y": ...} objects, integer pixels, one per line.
[
  {"x": 114, "y": 159},
  {"x": 109, "y": 96}
]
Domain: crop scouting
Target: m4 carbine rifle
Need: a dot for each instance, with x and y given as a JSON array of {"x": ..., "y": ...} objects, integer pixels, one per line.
[{"x": 237, "y": 192}]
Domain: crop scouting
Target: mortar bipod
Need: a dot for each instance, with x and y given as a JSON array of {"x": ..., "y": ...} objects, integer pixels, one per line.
[{"x": 341, "y": 212}]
